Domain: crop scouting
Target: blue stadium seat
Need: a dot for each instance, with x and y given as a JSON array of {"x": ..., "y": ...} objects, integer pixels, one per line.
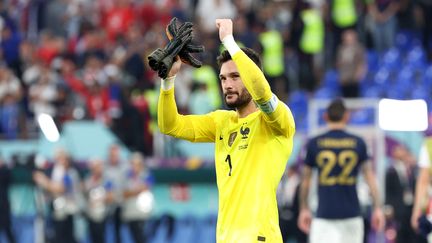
[
  {"x": 416, "y": 58},
  {"x": 185, "y": 229},
  {"x": 406, "y": 40},
  {"x": 372, "y": 58},
  {"x": 372, "y": 91},
  {"x": 420, "y": 91},
  {"x": 298, "y": 100},
  {"x": 206, "y": 229},
  {"x": 326, "y": 93},
  {"x": 406, "y": 77},
  {"x": 23, "y": 228},
  {"x": 382, "y": 77},
  {"x": 331, "y": 79},
  {"x": 391, "y": 59},
  {"x": 403, "y": 40},
  {"x": 427, "y": 77},
  {"x": 298, "y": 103},
  {"x": 398, "y": 92},
  {"x": 164, "y": 232}
]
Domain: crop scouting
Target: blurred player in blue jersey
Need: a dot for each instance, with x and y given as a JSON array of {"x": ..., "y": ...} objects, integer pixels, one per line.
[{"x": 338, "y": 156}]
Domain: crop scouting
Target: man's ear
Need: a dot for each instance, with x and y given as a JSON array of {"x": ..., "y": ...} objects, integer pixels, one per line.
[
  {"x": 346, "y": 117},
  {"x": 325, "y": 117}
]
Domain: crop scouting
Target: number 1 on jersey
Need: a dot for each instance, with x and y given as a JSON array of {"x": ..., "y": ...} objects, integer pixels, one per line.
[{"x": 228, "y": 160}]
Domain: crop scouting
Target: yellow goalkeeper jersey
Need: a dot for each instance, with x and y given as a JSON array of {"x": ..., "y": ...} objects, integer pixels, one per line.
[{"x": 250, "y": 157}]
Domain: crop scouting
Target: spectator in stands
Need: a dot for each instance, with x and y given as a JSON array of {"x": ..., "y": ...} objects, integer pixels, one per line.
[
  {"x": 288, "y": 204},
  {"x": 128, "y": 56},
  {"x": 137, "y": 186},
  {"x": 92, "y": 87},
  {"x": 399, "y": 192},
  {"x": 115, "y": 173},
  {"x": 5, "y": 210},
  {"x": 351, "y": 64},
  {"x": 307, "y": 36},
  {"x": 407, "y": 15},
  {"x": 49, "y": 47},
  {"x": 273, "y": 61},
  {"x": 10, "y": 42},
  {"x": 199, "y": 102},
  {"x": 43, "y": 92},
  {"x": 384, "y": 23},
  {"x": 98, "y": 193},
  {"x": 63, "y": 186},
  {"x": 244, "y": 32},
  {"x": 10, "y": 96},
  {"x": 209, "y": 10},
  {"x": 141, "y": 108},
  {"x": 206, "y": 74},
  {"x": 340, "y": 16},
  {"x": 426, "y": 27},
  {"x": 56, "y": 16},
  {"x": 422, "y": 200},
  {"x": 118, "y": 18}
]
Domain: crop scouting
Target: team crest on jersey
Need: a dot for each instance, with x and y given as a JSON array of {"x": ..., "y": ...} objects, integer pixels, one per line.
[
  {"x": 232, "y": 138},
  {"x": 244, "y": 132}
]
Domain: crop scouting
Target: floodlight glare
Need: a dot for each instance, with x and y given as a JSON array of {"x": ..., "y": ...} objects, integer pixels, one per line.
[
  {"x": 48, "y": 127},
  {"x": 403, "y": 115}
]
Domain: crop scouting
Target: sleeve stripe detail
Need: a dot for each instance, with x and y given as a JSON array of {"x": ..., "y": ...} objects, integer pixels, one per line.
[
  {"x": 269, "y": 106},
  {"x": 230, "y": 45},
  {"x": 168, "y": 83}
]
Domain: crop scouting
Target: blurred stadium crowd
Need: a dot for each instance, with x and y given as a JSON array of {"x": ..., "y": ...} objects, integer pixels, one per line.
[
  {"x": 78, "y": 59},
  {"x": 86, "y": 59}
]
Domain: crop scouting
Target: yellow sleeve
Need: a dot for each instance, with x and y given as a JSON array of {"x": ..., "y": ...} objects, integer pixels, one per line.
[
  {"x": 195, "y": 128},
  {"x": 281, "y": 119},
  {"x": 252, "y": 77}
]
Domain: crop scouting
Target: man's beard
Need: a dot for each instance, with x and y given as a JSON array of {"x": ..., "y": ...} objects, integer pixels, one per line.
[{"x": 241, "y": 101}]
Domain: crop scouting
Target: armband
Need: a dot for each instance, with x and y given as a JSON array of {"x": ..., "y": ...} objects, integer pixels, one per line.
[{"x": 269, "y": 106}]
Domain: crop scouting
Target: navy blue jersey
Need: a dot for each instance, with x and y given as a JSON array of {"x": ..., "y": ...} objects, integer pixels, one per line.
[{"x": 338, "y": 156}]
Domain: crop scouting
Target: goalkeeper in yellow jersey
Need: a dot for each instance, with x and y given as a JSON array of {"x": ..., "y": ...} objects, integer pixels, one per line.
[{"x": 252, "y": 143}]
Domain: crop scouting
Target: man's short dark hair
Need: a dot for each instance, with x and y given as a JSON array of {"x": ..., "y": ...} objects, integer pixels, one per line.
[
  {"x": 336, "y": 110},
  {"x": 225, "y": 56}
]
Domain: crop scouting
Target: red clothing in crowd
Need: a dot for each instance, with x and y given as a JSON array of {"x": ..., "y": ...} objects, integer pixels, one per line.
[{"x": 117, "y": 20}]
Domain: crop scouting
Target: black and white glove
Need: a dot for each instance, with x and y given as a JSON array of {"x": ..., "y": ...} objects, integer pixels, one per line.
[
  {"x": 161, "y": 60},
  {"x": 185, "y": 54}
]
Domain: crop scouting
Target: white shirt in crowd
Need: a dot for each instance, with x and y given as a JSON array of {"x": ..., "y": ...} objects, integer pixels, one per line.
[{"x": 424, "y": 160}]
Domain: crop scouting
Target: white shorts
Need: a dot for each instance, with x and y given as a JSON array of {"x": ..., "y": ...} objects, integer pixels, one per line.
[{"x": 337, "y": 230}]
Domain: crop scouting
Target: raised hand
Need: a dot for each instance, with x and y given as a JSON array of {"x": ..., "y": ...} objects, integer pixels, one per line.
[{"x": 225, "y": 27}]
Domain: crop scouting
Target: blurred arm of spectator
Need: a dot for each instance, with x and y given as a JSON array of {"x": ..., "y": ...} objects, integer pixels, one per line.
[
  {"x": 10, "y": 87},
  {"x": 45, "y": 183},
  {"x": 109, "y": 197},
  {"x": 377, "y": 220},
  {"x": 133, "y": 192},
  {"x": 381, "y": 16},
  {"x": 351, "y": 63},
  {"x": 392, "y": 188},
  {"x": 422, "y": 185},
  {"x": 138, "y": 177}
]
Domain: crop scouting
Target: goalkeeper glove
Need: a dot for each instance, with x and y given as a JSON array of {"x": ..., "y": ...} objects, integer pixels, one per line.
[
  {"x": 161, "y": 60},
  {"x": 185, "y": 54}
]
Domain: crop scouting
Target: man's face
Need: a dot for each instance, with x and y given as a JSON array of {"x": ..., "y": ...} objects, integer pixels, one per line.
[
  {"x": 114, "y": 154},
  {"x": 234, "y": 91}
]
